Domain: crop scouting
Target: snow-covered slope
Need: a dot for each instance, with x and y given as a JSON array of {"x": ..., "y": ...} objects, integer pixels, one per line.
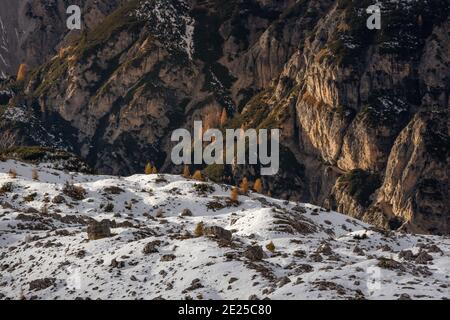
[{"x": 153, "y": 251}]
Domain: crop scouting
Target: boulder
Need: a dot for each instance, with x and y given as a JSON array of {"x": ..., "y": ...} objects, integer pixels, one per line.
[
  {"x": 423, "y": 257},
  {"x": 217, "y": 233},
  {"x": 168, "y": 257},
  {"x": 59, "y": 199},
  {"x": 186, "y": 213},
  {"x": 151, "y": 247},
  {"x": 254, "y": 253},
  {"x": 98, "y": 230},
  {"x": 325, "y": 249},
  {"x": 41, "y": 284}
]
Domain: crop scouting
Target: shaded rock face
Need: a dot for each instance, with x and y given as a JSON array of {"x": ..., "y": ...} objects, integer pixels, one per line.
[
  {"x": 358, "y": 110},
  {"x": 417, "y": 175}
]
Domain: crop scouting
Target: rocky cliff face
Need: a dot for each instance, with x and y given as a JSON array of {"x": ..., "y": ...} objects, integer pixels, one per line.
[
  {"x": 417, "y": 174},
  {"x": 32, "y": 30},
  {"x": 364, "y": 114}
]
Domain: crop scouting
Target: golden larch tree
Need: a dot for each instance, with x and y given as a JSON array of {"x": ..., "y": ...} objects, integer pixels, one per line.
[
  {"x": 186, "y": 172},
  {"x": 234, "y": 194},
  {"x": 244, "y": 186},
  {"x": 223, "y": 117},
  {"x": 198, "y": 175},
  {"x": 271, "y": 246},
  {"x": 258, "y": 186},
  {"x": 148, "y": 168},
  {"x": 22, "y": 72},
  {"x": 198, "y": 232}
]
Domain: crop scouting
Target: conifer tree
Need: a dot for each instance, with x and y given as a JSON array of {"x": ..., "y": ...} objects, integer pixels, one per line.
[
  {"x": 271, "y": 246},
  {"x": 198, "y": 232},
  {"x": 22, "y": 72},
  {"x": 234, "y": 194},
  {"x": 148, "y": 168},
  {"x": 223, "y": 117},
  {"x": 244, "y": 186},
  {"x": 186, "y": 172},
  {"x": 198, "y": 175},
  {"x": 258, "y": 186}
]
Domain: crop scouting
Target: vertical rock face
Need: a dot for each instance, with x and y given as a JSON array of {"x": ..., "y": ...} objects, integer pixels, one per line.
[
  {"x": 359, "y": 109},
  {"x": 416, "y": 186},
  {"x": 12, "y": 32},
  {"x": 32, "y": 30}
]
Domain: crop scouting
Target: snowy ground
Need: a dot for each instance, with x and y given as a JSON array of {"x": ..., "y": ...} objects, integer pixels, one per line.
[{"x": 45, "y": 252}]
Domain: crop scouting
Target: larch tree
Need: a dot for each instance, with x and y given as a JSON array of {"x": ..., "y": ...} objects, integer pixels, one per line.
[
  {"x": 148, "y": 168},
  {"x": 258, "y": 186},
  {"x": 186, "y": 172},
  {"x": 198, "y": 175},
  {"x": 234, "y": 194},
  {"x": 223, "y": 117},
  {"x": 244, "y": 186},
  {"x": 271, "y": 246},
  {"x": 22, "y": 72},
  {"x": 198, "y": 232}
]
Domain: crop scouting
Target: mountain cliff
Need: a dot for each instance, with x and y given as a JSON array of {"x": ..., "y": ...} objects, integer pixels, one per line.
[{"x": 363, "y": 113}]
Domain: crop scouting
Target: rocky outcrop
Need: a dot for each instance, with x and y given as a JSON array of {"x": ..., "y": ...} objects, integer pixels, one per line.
[
  {"x": 254, "y": 253},
  {"x": 98, "y": 230},
  {"x": 356, "y": 97},
  {"x": 218, "y": 233},
  {"x": 416, "y": 185}
]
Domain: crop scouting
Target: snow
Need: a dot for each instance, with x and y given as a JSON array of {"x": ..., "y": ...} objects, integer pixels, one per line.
[
  {"x": 35, "y": 246},
  {"x": 17, "y": 114},
  {"x": 7, "y": 92},
  {"x": 170, "y": 22}
]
